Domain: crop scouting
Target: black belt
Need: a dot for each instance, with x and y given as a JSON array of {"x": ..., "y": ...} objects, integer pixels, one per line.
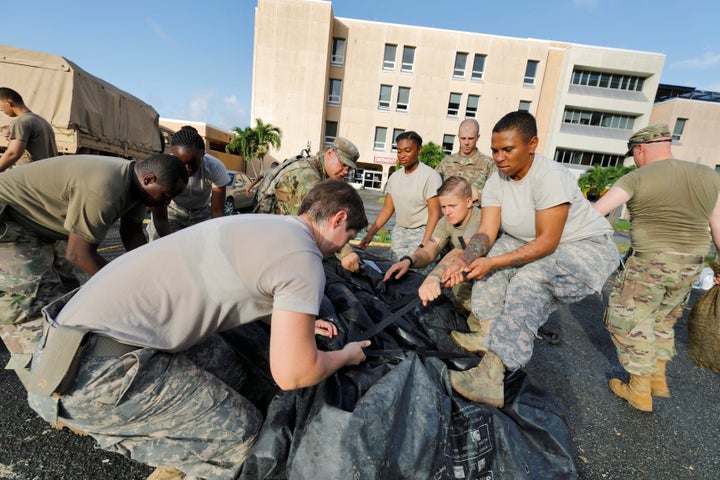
[
  {"x": 670, "y": 258},
  {"x": 109, "y": 347}
]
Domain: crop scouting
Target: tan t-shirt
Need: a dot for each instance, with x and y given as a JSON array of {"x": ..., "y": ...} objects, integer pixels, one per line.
[
  {"x": 37, "y": 133},
  {"x": 670, "y": 205},
  {"x": 547, "y": 184},
  {"x": 410, "y": 193},
  {"x": 213, "y": 276},
  {"x": 445, "y": 231},
  {"x": 79, "y": 194}
]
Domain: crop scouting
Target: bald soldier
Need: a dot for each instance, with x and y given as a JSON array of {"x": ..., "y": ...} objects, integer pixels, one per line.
[{"x": 468, "y": 162}]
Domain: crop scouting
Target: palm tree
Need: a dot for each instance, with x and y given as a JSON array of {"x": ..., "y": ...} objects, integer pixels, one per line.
[
  {"x": 245, "y": 143},
  {"x": 266, "y": 135},
  {"x": 255, "y": 142}
]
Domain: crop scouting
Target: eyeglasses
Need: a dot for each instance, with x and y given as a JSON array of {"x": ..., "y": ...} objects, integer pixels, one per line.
[{"x": 632, "y": 145}]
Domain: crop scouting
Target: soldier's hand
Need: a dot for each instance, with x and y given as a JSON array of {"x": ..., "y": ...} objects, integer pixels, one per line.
[{"x": 351, "y": 262}]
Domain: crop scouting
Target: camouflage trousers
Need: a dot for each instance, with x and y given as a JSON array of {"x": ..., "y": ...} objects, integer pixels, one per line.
[
  {"x": 520, "y": 299},
  {"x": 179, "y": 218},
  {"x": 404, "y": 242},
  {"x": 645, "y": 303},
  {"x": 33, "y": 272},
  {"x": 163, "y": 409}
]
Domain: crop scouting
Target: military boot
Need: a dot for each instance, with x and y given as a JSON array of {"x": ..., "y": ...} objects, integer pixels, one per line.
[
  {"x": 484, "y": 383},
  {"x": 166, "y": 473},
  {"x": 658, "y": 381},
  {"x": 636, "y": 391},
  {"x": 472, "y": 342}
]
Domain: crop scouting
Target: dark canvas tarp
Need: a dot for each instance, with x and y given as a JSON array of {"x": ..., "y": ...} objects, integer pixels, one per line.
[{"x": 395, "y": 416}]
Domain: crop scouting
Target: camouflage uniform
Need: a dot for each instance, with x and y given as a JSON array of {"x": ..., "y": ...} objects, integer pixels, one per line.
[
  {"x": 34, "y": 272},
  {"x": 476, "y": 168},
  {"x": 119, "y": 394},
  {"x": 520, "y": 299},
  {"x": 283, "y": 188},
  {"x": 644, "y": 305}
]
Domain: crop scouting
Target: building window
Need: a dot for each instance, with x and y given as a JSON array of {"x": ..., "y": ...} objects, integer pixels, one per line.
[
  {"x": 408, "y": 59},
  {"x": 338, "y": 51},
  {"x": 385, "y": 97},
  {"x": 403, "y": 99},
  {"x": 396, "y": 132},
  {"x": 334, "y": 90},
  {"x": 576, "y": 157},
  {"x": 615, "y": 81},
  {"x": 330, "y": 132},
  {"x": 448, "y": 143},
  {"x": 478, "y": 69},
  {"x": 454, "y": 105},
  {"x": 389, "y": 57},
  {"x": 472, "y": 106},
  {"x": 380, "y": 136},
  {"x": 460, "y": 64},
  {"x": 679, "y": 129},
  {"x": 599, "y": 119},
  {"x": 524, "y": 105},
  {"x": 530, "y": 72}
]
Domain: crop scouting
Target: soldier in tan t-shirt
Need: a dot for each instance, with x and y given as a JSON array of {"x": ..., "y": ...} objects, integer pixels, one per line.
[{"x": 56, "y": 212}]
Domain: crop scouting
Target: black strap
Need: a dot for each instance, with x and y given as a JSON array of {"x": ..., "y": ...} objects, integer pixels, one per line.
[{"x": 378, "y": 327}]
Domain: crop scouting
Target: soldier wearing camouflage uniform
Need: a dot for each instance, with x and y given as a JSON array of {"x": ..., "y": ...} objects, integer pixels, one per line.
[
  {"x": 671, "y": 203},
  {"x": 54, "y": 215},
  {"x": 468, "y": 162},
  {"x": 147, "y": 384},
  {"x": 555, "y": 249},
  {"x": 283, "y": 188}
]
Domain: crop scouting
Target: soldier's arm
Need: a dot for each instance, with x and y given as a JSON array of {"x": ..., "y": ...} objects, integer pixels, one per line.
[
  {"x": 11, "y": 154},
  {"x": 84, "y": 255}
]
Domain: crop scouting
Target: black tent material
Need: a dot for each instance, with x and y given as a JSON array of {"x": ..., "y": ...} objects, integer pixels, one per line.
[{"x": 395, "y": 416}]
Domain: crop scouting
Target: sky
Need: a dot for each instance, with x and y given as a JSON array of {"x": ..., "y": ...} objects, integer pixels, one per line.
[{"x": 193, "y": 60}]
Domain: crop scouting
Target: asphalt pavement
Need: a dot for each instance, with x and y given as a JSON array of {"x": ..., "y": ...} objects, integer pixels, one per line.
[{"x": 679, "y": 440}]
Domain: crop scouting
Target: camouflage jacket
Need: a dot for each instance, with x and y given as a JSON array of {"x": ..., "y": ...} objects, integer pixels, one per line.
[
  {"x": 283, "y": 188},
  {"x": 475, "y": 168}
]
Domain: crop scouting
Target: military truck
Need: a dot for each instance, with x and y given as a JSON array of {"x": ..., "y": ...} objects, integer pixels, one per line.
[{"x": 88, "y": 114}]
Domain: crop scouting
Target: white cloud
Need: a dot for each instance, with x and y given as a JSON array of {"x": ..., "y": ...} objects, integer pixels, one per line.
[
  {"x": 161, "y": 34},
  {"x": 707, "y": 60}
]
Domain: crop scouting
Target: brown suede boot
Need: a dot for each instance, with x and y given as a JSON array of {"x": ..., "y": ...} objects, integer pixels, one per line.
[
  {"x": 472, "y": 342},
  {"x": 636, "y": 391},
  {"x": 658, "y": 381},
  {"x": 484, "y": 383},
  {"x": 166, "y": 473}
]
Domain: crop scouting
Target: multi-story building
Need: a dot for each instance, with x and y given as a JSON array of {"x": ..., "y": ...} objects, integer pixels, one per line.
[
  {"x": 317, "y": 76},
  {"x": 694, "y": 119}
]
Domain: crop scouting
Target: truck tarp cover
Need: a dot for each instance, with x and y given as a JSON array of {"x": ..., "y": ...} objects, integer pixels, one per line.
[
  {"x": 73, "y": 100},
  {"x": 395, "y": 416}
]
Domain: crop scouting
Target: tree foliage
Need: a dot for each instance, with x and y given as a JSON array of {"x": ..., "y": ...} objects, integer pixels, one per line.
[
  {"x": 255, "y": 142},
  {"x": 597, "y": 180},
  {"x": 431, "y": 154}
]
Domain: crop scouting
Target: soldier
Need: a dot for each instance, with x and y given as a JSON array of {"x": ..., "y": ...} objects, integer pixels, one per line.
[
  {"x": 28, "y": 131},
  {"x": 459, "y": 222},
  {"x": 283, "y": 188},
  {"x": 56, "y": 212},
  {"x": 153, "y": 343},
  {"x": 671, "y": 203},
  {"x": 468, "y": 162},
  {"x": 555, "y": 249},
  {"x": 204, "y": 196}
]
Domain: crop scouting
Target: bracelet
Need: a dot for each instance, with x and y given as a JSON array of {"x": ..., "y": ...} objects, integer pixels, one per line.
[{"x": 407, "y": 257}]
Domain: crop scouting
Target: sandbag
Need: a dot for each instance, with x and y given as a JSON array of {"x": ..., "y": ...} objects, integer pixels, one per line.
[
  {"x": 396, "y": 415},
  {"x": 704, "y": 328}
]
